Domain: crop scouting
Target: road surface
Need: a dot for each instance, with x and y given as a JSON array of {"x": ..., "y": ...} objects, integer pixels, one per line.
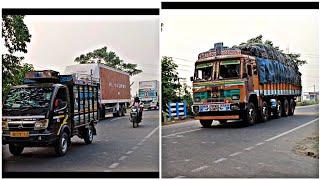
[
  {"x": 118, "y": 147},
  {"x": 262, "y": 150}
]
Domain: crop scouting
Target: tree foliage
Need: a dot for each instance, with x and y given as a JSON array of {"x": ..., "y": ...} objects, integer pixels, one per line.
[
  {"x": 108, "y": 58},
  {"x": 169, "y": 80},
  {"x": 259, "y": 39},
  {"x": 16, "y": 36}
]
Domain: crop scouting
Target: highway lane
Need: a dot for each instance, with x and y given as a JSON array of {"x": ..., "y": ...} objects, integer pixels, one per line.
[
  {"x": 118, "y": 147},
  {"x": 262, "y": 150}
]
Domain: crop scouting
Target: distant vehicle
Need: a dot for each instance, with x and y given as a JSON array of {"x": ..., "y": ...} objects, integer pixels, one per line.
[
  {"x": 231, "y": 84},
  {"x": 148, "y": 94},
  {"x": 47, "y": 110},
  {"x": 114, "y": 87}
]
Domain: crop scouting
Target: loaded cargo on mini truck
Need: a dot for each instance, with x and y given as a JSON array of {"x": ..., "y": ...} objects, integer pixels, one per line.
[
  {"x": 48, "y": 109},
  {"x": 244, "y": 84}
]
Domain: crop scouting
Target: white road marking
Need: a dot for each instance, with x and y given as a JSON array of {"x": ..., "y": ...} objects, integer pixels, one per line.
[
  {"x": 258, "y": 144},
  {"x": 122, "y": 158},
  {"x": 183, "y": 132},
  {"x": 175, "y": 142},
  {"x": 114, "y": 119},
  {"x": 220, "y": 160},
  {"x": 180, "y": 177},
  {"x": 249, "y": 148},
  {"x": 287, "y": 132},
  {"x": 140, "y": 143},
  {"x": 187, "y": 160},
  {"x": 203, "y": 142},
  {"x": 114, "y": 165},
  {"x": 150, "y": 134},
  {"x": 234, "y": 154},
  {"x": 135, "y": 147},
  {"x": 199, "y": 169},
  {"x": 107, "y": 170},
  {"x": 129, "y": 152}
]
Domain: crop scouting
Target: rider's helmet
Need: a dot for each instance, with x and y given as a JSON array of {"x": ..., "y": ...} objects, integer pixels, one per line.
[{"x": 136, "y": 99}]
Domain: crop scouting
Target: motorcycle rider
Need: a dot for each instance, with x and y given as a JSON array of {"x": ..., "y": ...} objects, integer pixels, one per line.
[{"x": 137, "y": 103}]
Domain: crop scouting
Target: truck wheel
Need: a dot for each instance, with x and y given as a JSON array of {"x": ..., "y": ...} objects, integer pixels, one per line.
[
  {"x": 63, "y": 144},
  {"x": 206, "y": 123},
  {"x": 264, "y": 112},
  {"x": 16, "y": 149},
  {"x": 122, "y": 112},
  {"x": 88, "y": 135},
  {"x": 251, "y": 115},
  {"x": 135, "y": 124},
  {"x": 285, "y": 111},
  {"x": 278, "y": 110},
  {"x": 292, "y": 107}
]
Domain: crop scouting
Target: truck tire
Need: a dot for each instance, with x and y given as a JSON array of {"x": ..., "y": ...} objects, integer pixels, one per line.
[
  {"x": 206, "y": 123},
  {"x": 16, "y": 149},
  {"x": 116, "y": 114},
  {"x": 251, "y": 115},
  {"x": 264, "y": 112},
  {"x": 292, "y": 107},
  {"x": 88, "y": 135},
  {"x": 62, "y": 144},
  {"x": 278, "y": 110},
  {"x": 285, "y": 109}
]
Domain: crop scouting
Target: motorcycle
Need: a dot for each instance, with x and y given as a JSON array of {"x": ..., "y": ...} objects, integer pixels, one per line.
[{"x": 134, "y": 116}]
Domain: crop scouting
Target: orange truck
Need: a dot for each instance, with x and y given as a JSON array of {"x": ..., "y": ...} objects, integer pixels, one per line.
[
  {"x": 114, "y": 86},
  {"x": 233, "y": 84}
]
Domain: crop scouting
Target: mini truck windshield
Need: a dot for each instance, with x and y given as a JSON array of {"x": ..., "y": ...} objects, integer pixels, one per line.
[{"x": 28, "y": 97}]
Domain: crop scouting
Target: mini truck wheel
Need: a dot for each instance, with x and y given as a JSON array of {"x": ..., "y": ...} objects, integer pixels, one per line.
[
  {"x": 15, "y": 149},
  {"x": 62, "y": 144},
  {"x": 206, "y": 123},
  {"x": 88, "y": 135}
]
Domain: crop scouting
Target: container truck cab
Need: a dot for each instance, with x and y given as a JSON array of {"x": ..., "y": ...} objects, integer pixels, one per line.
[
  {"x": 230, "y": 85},
  {"x": 47, "y": 110}
]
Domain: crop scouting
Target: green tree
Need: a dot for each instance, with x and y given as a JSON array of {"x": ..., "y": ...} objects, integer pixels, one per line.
[
  {"x": 293, "y": 56},
  {"x": 169, "y": 80},
  {"x": 16, "y": 36},
  {"x": 108, "y": 58}
]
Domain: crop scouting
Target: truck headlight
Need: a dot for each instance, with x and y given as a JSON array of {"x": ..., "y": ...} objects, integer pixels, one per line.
[
  {"x": 41, "y": 124},
  {"x": 5, "y": 125},
  {"x": 235, "y": 97},
  {"x": 195, "y": 109}
]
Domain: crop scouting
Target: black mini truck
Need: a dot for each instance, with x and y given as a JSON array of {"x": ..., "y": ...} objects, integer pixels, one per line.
[{"x": 47, "y": 110}]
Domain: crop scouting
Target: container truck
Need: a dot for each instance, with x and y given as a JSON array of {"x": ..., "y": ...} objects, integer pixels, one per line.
[
  {"x": 114, "y": 94},
  {"x": 148, "y": 94},
  {"x": 247, "y": 83},
  {"x": 47, "y": 110}
]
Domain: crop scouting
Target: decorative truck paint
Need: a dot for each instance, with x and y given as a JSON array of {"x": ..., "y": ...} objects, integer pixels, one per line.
[{"x": 230, "y": 85}]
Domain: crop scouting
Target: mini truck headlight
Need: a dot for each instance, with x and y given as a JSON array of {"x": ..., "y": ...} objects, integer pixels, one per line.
[
  {"x": 5, "y": 125},
  {"x": 41, "y": 124}
]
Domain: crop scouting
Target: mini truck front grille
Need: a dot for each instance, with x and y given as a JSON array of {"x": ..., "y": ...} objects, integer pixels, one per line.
[{"x": 21, "y": 125}]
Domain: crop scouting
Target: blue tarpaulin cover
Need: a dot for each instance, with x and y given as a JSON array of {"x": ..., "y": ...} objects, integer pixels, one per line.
[{"x": 273, "y": 71}]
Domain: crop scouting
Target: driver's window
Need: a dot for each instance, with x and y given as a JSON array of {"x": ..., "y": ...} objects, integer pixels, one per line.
[
  {"x": 61, "y": 98},
  {"x": 199, "y": 73}
]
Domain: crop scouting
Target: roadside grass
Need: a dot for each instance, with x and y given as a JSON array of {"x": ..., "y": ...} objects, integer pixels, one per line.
[
  {"x": 307, "y": 102},
  {"x": 309, "y": 146}
]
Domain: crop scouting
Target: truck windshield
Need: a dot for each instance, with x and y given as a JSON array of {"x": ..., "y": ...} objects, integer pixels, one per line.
[
  {"x": 229, "y": 69},
  {"x": 30, "y": 97},
  {"x": 203, "y": 72}
]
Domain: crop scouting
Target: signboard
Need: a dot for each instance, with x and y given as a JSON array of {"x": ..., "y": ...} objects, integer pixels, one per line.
[{"x": 147, "y": 84}]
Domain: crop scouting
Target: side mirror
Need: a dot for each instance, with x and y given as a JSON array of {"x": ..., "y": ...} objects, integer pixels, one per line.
[{"x": 191, "y": 78}]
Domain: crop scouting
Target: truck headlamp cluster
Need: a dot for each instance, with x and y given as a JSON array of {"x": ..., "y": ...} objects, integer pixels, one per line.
[
  {"x": 235, "y": 97},
  {"x": 5, "y": 125},
  {"x": 41, "y": 124},
  {"x": 195, "y": 109},
  {"x": 234, "y": 107}
]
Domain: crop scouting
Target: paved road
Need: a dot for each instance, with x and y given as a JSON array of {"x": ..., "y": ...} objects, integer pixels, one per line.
[
  {"x": 263, "y": 150},
  {"x": 118, "y": 148}
]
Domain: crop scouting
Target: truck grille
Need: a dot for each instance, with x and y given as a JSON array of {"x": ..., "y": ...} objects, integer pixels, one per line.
[{"x": 21, "y": 125}]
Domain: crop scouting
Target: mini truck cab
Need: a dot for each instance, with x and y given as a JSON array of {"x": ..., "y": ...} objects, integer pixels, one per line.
[
  {"x": 227, "y": 86},
  {"x": 47, "y": 110}
]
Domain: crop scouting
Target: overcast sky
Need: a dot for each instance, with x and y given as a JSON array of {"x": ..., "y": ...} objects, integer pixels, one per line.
[
  {"x": 186, "y": 33},
  {"x": 57, "y": 40}
]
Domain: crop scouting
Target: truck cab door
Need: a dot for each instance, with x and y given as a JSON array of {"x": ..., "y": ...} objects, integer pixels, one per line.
[{"x": 61, "y": 107}]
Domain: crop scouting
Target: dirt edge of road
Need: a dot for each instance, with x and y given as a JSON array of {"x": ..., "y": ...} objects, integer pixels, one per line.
[{"x": 309, "y": 146}]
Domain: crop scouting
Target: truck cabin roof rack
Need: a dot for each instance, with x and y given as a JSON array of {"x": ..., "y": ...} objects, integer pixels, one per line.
[{"x": 78, "y": 79}]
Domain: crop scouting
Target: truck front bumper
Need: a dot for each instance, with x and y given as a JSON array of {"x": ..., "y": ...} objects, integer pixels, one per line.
[{"x": 34, "y": 139}]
